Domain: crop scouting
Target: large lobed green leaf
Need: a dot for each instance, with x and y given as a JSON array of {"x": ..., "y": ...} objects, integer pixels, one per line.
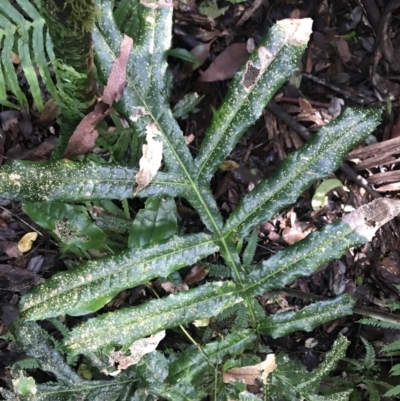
[
  {"x": 315, "y": 160},
  {"x": 90, "y": 286}
]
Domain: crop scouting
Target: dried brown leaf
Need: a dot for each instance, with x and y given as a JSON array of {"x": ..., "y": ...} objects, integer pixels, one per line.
[
  {"x": 248, "y": 374},
  {"x": 150, "y": 162},
  {"x": 196, "y": 274},
  {"x": 343, "y": 50},
  {"x": 116, "y": 82},
  {"x": 84, "y": 137},
  {"x": 10, "y": 249},
  {"x": 226, "y": 64}
]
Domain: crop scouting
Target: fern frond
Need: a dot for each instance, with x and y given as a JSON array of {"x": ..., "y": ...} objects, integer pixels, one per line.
[
  {"x": 372, "y": 391},
  {"x": 369, "y": 354},
  {"x": 258, "y": 310},
  {"x": 250, "y": 250},
  {"x": 207, "y": 335},
  {"x": 219, "y": 271},
  {"x": 395, "y": 346},
  {"x": 25, "y": 34},
  {"x": 60, "y": 326},
  {"x": 394, "y": 392},
  {"x": 379, "y": 323},
  {"x": 242, "y": 317},
  {"x": 395, "y": 370},
  {"x": 392, "y": 304},
  {"x": 227, "y": 313},
  {"x": 127, "y": 17}
]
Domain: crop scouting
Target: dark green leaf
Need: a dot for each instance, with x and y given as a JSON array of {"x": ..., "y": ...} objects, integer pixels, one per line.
[
  {"x": 191, "y": 365},
  {"x": 90, "y": 286},
  {"x": 302, "y": 258},
  {"x": 155, "y": 223},
  {"x": 315, "y": 160},
  {"x": 183, "y": 54},
  {"x": 70, "y": 224},
  {"x": 125, "y": 326},
  {"x": 308, "y": 318},
  {"x": 270, "y": 65}
]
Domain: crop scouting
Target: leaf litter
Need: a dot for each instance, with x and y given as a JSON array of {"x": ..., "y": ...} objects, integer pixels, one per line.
[{"x": 85, "y": 135}]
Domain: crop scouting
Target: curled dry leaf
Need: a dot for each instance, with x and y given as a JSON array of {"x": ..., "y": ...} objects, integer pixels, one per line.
[
  {"x": 196, "y": 274},
  {"x": 150, "y": 162},
  {"x": 137, "y": 350},
  {"x": 25, "y": 243},
  {"x": 248, "y": 374}
]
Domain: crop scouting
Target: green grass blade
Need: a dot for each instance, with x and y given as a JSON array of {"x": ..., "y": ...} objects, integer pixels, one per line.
[{"x": 90, "y": 286}]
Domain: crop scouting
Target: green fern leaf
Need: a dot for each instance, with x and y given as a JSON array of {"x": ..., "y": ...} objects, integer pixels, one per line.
[
  {"x": 27, "y": 364},
  {"x": 70, "y": 224},
  {"x": 191, "y": 365},
  {"x": 250, "y": 250},
  {"x": 337, "y": 353},
  {"x": 395, "y": 371},
  {"x": 125, "y": 326},
  {"x": 103, "y": 279},
  {"x": 369, "y": 354},
  {"x": 308, "y": 318},
  {"x": 269, "y": 66},
  {"x": 395, "y": 346},
  {"x": 37, "y": 344},
  {"x": 394, "y": 392},
  {"x": 372, "y": 391},
  {"x": 315, "y": 160}
]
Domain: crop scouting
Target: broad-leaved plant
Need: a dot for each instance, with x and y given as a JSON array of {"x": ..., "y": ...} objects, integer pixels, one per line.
[{"x": 69, "y": 199}]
